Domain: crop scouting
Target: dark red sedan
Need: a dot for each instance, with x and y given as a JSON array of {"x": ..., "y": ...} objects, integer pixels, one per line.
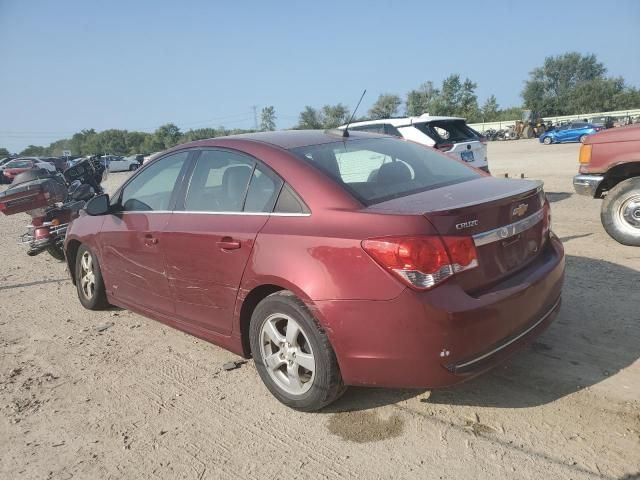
[{"x": 333, "y": 261}]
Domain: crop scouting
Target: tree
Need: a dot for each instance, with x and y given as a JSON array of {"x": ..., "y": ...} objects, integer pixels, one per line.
[
  {"x": 386, "y": 106},
  {"x": 135, "y": 142},
  {"x": 421, "y": 100},
  {"x": 468, "y": 107},
  {"x": 200, "y": 134},
  {"x": 490, "y": 109},
  {"x": 268, "y": 119},
  {"x": 167, "y": 136},
  {"x": 333, "y": 116},
  {"x": 33, "y": 151},
  {"x": 550, "y": 88},
  {"x": 309, "y": 119},
  {"x": 4, "y": 152}
]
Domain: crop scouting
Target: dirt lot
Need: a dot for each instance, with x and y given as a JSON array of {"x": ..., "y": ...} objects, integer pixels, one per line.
[{"x": 115, "y": 395}]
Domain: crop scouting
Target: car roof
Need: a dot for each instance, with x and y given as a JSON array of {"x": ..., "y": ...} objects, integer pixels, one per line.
[
  {"x": 286, "y": 139},
  {"x": 403, "y": 121}
]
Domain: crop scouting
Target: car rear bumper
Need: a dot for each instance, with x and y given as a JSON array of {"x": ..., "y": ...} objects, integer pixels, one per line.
[
  {"x": 587, "y": 184},
  {"x": 444, "y": 336}
]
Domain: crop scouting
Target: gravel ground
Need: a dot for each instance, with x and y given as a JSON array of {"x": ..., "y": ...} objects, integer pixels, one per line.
[{"x": 115, "y": 395}]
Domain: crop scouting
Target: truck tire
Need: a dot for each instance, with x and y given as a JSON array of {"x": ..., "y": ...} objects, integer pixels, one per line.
[{"x": 620, "y": 212}]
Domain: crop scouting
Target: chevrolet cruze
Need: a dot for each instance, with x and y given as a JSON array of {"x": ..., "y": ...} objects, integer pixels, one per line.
[{"x": 331, "y": 258}]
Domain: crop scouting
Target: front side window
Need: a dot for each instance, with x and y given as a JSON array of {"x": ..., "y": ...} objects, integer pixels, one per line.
[
  {"x": 20, "y": 164},
  {"x": 152, "y": 188},
  {"x": 378, "y": 169}
]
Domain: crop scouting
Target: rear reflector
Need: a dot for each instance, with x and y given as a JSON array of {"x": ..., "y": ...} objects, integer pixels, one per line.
[{"x": 423, "y": 262}]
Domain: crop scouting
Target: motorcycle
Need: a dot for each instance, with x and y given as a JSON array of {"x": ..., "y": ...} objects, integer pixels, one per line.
[{"x": 52, "y": 201}]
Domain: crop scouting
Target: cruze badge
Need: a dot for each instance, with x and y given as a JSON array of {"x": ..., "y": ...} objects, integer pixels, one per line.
[
  {"x": 520, "y": 210},
  {"x": 469, "y": 224}
]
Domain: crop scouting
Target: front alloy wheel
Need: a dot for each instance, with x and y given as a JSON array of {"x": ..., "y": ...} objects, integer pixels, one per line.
[{"x": 89, "y": 283}]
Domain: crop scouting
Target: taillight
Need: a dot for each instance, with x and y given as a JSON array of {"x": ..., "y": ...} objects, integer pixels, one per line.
[
  {"x": 423, "y": 262},
  {"x": 444, "y": 147},
  {"x": 483, "y": 140},
  {"x": 585, "y": 154}
]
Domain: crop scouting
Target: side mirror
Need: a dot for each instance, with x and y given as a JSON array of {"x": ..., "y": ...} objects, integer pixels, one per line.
[{"x": 98, "y": 205}]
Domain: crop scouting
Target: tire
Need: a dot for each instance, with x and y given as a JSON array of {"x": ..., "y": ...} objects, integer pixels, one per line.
[
  {"x": 547, "y": 140},
  {"x": 620, "y": 212},
  {"x": 91, "y": 293},
  {"x": 284, "y": 374},
  {"x": 133, "y": 168},
  {"x": 582, "y": 138},
  {"x": 56, "y": 252}
]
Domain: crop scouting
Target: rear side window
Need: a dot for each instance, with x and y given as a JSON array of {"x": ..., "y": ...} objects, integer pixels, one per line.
[
  {"x": 290, "y": 202},
  {"x": 379, "y": 169},
  {"x": 219, "y": 182},
  {"x": 263, "y": 190},
  {"x": 445, "y": 131}
]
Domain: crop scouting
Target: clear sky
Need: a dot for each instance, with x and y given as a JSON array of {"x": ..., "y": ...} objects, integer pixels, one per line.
[{"x": 66, "y": 65}]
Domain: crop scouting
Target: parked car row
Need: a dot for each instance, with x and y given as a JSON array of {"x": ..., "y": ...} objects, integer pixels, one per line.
[{"x": 12, "y": 167}]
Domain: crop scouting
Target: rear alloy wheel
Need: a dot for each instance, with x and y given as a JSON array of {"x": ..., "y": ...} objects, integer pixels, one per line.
[
  {"x": 583, "y": 138},
  {"x": 620, "y": 213},
  {"x": 547, "y": 140},
  {"x": 89, "y": 283},
  {"x": 133, "y": 167},
  {"x": 292, "y": 355}
]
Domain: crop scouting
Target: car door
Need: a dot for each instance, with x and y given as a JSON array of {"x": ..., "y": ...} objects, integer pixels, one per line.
[
  {"x": 116, "y": 164},
  {"x": 562, "y": 133},
  {"x": 209, "y": 238},
  {"x": 131, "y": 238}
]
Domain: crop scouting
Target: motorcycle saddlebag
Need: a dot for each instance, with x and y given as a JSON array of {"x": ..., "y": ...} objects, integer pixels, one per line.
[{"x": 26, "y": 196}]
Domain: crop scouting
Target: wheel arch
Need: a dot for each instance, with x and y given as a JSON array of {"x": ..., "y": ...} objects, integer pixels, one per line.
[
  {"x": 71, "y": 252},
  {"x": 617, "y": 174}
]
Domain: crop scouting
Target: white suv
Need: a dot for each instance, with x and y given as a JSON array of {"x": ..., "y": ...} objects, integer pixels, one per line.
[{"x": 450, "y": 135}]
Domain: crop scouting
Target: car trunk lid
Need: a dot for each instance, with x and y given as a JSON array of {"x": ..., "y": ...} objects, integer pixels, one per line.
[{"x": 503, "y": 216}]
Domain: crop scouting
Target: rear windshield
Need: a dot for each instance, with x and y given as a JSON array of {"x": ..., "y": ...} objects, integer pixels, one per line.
[
  {"x": 378, "y": 169},
  {"x": 447, "y": 131}
]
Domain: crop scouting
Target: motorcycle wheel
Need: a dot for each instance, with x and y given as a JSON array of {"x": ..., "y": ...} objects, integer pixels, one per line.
[{"x": 56, "y": 252}]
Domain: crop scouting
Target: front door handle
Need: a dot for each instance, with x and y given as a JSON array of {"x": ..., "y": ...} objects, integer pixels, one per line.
[{"x": 228, "y": 243}]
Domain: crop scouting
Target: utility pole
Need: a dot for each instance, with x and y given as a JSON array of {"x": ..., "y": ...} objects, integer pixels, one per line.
[{"x": 255, "y": 116}]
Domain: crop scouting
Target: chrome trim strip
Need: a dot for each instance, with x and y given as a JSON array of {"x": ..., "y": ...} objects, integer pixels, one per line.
[
  {"x": 508, "y": 231},
  {"x": 505, "y": 345},
  {"x": 193, "y": 212}
]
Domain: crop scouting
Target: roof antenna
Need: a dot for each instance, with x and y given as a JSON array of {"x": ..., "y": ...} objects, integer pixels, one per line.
[{"x": 345, "y": 132}]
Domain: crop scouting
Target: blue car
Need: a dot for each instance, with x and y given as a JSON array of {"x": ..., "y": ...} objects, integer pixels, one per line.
[{"x": 572, "y": 132}]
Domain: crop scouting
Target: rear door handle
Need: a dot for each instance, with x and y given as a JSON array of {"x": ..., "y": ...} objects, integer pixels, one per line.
[
  {"x": 228, "y": 243},
  {"x": 150, "y": 240}
]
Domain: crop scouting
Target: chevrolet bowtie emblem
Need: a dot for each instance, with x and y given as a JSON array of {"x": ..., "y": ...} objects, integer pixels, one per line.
[{"x": 520, "y": 210}]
